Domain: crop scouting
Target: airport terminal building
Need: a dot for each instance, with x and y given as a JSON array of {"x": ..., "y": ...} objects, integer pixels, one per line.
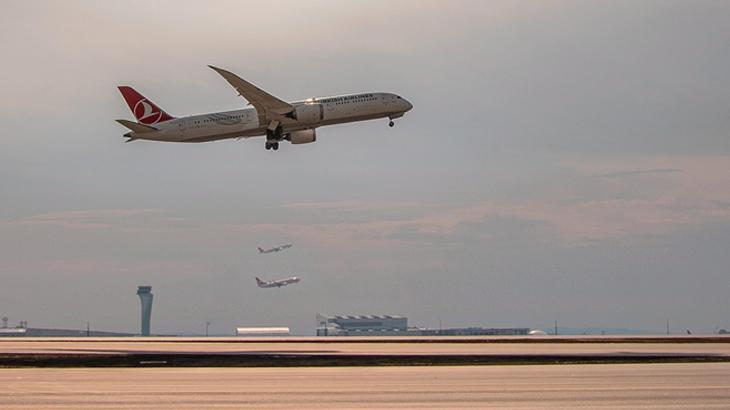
[
  {"x": 395, "y": 325},
  {"x": 477, "y": 331},
  {"x": 364, "y": 325}
]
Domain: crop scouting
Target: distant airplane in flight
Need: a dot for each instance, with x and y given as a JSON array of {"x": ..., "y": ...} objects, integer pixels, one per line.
[
  {"x": 277, "y": 283},
  {"x": 276, "y": 248},
  {"x": 278, "y": 120}
]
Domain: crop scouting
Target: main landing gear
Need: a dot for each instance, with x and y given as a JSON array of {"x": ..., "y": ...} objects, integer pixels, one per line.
[{"x": 274, "y": 134}]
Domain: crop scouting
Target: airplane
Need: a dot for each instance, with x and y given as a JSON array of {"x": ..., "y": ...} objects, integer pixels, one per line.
[
  {"x": 270, "y": 116},
  {"x": 277, "y": 283},
  {"x": 275, "y": 249}
]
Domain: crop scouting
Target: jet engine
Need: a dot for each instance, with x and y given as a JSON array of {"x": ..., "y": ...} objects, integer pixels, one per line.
[
  {"x": 303, "y": 136},
  {"x": 308, "y": 113}
]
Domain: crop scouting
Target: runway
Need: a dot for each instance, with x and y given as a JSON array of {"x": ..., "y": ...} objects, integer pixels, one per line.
[
  {"x": 302, "y": 372},
  {"x": 609, "y": 386},
  {"x": 352, "y": 351}
]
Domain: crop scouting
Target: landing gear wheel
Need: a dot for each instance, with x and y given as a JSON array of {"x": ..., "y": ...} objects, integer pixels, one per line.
[
  {"x": 391, "y": 123},
  {"x": 268, "y": 145},
  {"x": 275, "y": 146}
]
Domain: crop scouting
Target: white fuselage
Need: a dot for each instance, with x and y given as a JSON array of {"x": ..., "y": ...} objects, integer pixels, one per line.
[{"x": 310, "y": 114}]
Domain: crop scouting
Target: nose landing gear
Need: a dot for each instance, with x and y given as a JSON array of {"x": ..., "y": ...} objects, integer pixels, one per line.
[{"x": 391, "y": 123}]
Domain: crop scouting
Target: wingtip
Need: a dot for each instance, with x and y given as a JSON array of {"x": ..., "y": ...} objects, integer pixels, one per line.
[{"x": 221, "y": 71}]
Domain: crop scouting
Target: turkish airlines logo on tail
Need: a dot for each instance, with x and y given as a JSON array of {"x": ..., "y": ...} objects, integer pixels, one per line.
[
  {"x": 144, "y": 110},
  {"x": 146, "y": 113}
]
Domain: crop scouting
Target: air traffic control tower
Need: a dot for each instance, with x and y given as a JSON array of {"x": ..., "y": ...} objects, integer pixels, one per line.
[{"x": 145, "y": 298}]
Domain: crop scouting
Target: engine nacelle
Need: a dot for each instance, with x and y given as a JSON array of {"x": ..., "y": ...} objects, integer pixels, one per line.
[
  {"x": 308, "y": 113},
  {"x": 303, "y": 136}
]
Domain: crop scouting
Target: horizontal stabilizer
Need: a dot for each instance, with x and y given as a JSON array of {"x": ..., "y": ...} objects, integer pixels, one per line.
[{"x": 137, "y": 127}]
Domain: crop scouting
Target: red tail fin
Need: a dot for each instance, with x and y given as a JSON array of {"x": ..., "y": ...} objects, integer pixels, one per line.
[{"x": 143, "y": 109}]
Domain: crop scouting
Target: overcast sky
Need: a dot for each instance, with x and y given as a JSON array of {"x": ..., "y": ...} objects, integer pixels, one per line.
[{"x": 565, "y": 160}]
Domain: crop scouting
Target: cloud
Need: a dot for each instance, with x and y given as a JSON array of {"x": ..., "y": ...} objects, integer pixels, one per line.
[
  {"x": 353, "y": 205},
  {"x": 632, "y": 197},
  {"x": 84, "y": 219},
  {"x": 673, "y": 192},
  {"x": 637, "y": 172}
]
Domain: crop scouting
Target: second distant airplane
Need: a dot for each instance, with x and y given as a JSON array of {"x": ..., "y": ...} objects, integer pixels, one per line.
[
  {"x": 277, "y": 283},
  {"x": 275, "y": 249}
]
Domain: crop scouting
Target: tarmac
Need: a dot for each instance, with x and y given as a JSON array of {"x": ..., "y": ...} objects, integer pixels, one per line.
[
  {"x": 364, "y": 372},
  {"x": 588, "y": 386},
  {"x": 356, "y": 351}
]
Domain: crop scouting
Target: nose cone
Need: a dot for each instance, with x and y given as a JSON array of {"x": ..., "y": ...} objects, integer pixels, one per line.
[
  {"x": 404, "y": 104},
  {"x": 408, "y": 105}
]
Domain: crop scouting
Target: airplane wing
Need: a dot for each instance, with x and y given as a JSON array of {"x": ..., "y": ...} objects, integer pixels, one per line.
[{"x": 264, "y": 102}]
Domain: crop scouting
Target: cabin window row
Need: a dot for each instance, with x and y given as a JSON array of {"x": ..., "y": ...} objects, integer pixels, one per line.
[
  {"x": 229, "y": 117},
  {"x": 356, "y": 100}
]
